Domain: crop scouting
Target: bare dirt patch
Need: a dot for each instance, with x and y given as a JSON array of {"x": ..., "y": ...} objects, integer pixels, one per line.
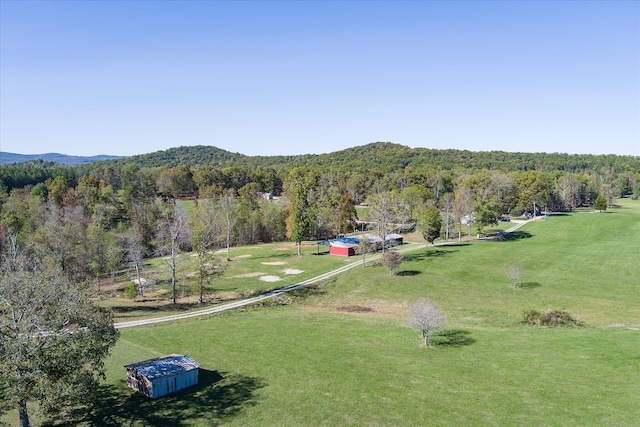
[
  {"x": 244, "y": 256},
  {"x": 270, "y": 278},
  {"x": 376, "y": 308},
  {"x": 355, "y": 309},
  {"x": 254, "y": 274},
  {"x": 273, "y": 263},
  {"x": 292, "y": 271},
  {"x": 286, "y": 248}
]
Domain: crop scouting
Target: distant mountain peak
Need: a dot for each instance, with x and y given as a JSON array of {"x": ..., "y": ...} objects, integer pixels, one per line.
[{"x": 9, "y": 158}]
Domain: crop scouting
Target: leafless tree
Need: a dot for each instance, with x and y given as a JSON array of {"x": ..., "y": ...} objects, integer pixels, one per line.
[
  {"x": 569, "y": 188},
  {"x": 226, "y": 210},
  {"x": 134, "y": 255},
  {"x": 174, "y": 232},
  {"x": 363, "y": 247},
  {"x": 387, "y": 212},
  {"x": 447, "y": 209},
  {"x": 463, "y": 208},
  {"x": 425, "y": 317},
  {"x": 206, "y": 234},
  {"x": 515, "y": 273}
]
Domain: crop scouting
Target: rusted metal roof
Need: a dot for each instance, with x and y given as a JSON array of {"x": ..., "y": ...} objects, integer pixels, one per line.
[{"x": 164, "y": 366}]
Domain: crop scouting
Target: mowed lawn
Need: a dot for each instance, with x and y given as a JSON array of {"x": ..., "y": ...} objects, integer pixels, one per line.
[{"x": 341, "y": 355}]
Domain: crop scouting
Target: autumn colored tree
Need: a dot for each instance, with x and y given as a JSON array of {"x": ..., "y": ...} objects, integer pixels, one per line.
[
  {"x": 181, "y": 182},
  {"x": 391, "y": 259},
  {"x": 534, "y": 189},
  {"x": 346, "y": 213}
]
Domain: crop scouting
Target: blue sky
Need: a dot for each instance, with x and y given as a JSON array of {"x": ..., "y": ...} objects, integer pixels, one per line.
[{"x": 297, "y": 77}]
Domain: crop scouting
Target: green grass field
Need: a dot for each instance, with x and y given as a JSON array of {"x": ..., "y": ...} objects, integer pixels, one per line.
[{"x": 339, "y": 353}]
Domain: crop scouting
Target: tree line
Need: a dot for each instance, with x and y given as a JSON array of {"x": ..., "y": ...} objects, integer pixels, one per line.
[
  {"x": 74, "y": 217},
  {"x": 81, "y": 224},
  {"x": 387, "y": 158},
  {"x": 95, "y": 225}
]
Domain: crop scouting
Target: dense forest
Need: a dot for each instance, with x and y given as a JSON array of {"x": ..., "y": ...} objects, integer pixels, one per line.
[
  {"x": 380, "y": 158},
  {"x": 100, "y": 217}
]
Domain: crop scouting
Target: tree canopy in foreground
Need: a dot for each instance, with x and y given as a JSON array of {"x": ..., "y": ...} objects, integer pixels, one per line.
[{"x": 53, "y": 339}]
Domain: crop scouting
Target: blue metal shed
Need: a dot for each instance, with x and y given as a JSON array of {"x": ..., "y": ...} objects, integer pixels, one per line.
[{"x": 162, "y": 375}]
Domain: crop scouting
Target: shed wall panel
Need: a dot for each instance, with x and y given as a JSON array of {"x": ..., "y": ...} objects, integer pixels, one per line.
[
  {"x": 336, "y": 250},
  {"x": 171, "y": 384}
]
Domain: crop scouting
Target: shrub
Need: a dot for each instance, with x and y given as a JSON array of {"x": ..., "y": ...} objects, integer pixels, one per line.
[
  {"x": 552, "y": 318},
  {"x": 131, "y": 291}
]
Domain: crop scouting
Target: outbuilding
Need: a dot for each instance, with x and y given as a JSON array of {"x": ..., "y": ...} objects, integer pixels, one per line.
[
  {"x": 389, "y": 241},
  {"x": 163, "y": 375},
  {"x": 337, "y": 247},
  {"x": 394, "y": 239},
  {"x": 348, "y": 246}
]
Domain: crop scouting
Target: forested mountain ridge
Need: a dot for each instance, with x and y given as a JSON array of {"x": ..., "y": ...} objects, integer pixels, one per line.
[
  {"x": 211, "y": 165},
  {"x": 383, "y": 157}
]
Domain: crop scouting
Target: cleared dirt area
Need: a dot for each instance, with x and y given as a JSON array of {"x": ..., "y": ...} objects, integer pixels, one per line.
[
  {"x": 254, "y": 274},
  {"x": 270, "y": 278},
  {"x": 374, "y": 308}
]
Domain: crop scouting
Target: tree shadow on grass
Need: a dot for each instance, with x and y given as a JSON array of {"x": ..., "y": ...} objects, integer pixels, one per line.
[
  {"x": 213, "y": 400},
  {"x": 307, "y": 291},
  {"x": 527, "y": 285},
  {"x": 431, "y": 253},
  {"x": 452, "y": 338},
  {"x": 513, "y": 236},
  {"x": 165, "y": 306},
  {"x": 408, "y": 273}
]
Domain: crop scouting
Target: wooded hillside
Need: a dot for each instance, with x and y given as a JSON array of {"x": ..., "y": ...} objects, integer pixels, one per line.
[{"x": 385, "y": 156}]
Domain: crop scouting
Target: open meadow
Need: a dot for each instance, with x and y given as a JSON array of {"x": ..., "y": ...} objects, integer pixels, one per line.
[{"x": 339, "y": 353}]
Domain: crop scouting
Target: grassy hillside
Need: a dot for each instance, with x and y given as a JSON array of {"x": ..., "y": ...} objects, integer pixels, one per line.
[{"x": 340, "y": 355}]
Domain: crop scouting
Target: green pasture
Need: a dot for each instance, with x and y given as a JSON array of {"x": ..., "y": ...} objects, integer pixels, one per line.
[{"x": 338, "y": 353}]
